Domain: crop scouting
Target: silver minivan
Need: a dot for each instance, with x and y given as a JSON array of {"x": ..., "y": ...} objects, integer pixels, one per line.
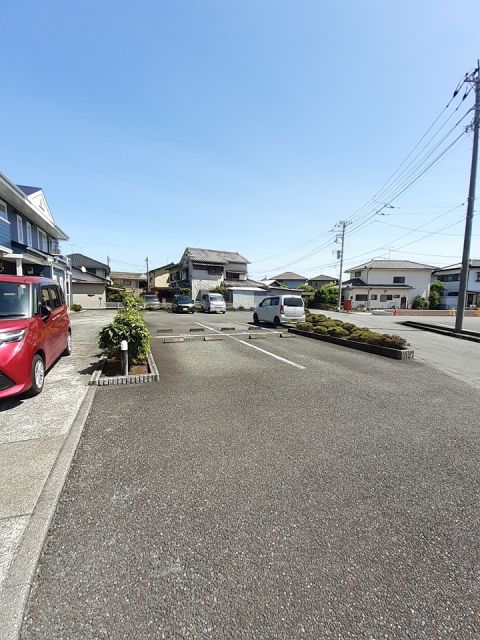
[
  {"x": 280, "y": 310},
  {"x": 213, "y": 303}
]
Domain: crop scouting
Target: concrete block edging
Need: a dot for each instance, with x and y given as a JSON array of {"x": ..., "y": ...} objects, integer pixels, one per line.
[
  {"x": 388, "y": 352},
  {"x": 97, "y": 380}
]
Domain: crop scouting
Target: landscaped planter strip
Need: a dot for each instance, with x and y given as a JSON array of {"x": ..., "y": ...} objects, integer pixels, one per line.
[
  {"x": 97, "y": 380},
  {"x": 387, "y": 352}
]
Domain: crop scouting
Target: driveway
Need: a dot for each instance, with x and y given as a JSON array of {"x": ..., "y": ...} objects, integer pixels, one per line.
[
  {"x": 267, "y": 488},
  {"x": 32, "y": 433}
]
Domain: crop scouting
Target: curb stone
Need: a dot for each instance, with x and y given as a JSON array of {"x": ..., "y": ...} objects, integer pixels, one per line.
[{"x": 153, "y": 376}]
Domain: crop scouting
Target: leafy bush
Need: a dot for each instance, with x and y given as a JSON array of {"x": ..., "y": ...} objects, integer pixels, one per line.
[
  {"x": 326, "y": 294},
  {"x": 76, "y": 307},
  {"x": 338, "y": 332},
  {"x": 321, "y": 330},
  {"x": 436, "y": 291},
  {"x": 305, "y": 326},
  {"x": 381, "y": 339},
  {"x": 127, "y": 325},
  {"x": 419, "y": 302}
]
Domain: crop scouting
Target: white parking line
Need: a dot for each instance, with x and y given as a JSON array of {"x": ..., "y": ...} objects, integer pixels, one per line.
[
  {"x": 253, "y": 346},
  {"x": 249, "y": 325}
]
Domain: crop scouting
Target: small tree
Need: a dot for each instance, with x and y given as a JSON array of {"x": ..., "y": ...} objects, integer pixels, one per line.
[
  {"x": 311, "y": 293},
  {"x": 115, "y": 293},
  {"x": 222, "y": 289},
  {"x": 419, "y": 302},
  {"x": 436, "y": 291},
  {"x": 326, "y": 294}
]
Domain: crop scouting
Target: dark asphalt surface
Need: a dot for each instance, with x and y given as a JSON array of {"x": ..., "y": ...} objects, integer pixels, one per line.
[{"x": 242, "y": 497}]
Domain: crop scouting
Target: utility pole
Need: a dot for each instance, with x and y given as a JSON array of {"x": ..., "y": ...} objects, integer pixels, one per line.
[
  {"x": 148, "y": 277},
  {"x": 462, "y": 293},
  {"x": 343, "y": 224}
]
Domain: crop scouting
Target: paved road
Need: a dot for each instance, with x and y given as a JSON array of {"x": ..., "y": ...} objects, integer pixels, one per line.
[{"x": 297, "y": 491}]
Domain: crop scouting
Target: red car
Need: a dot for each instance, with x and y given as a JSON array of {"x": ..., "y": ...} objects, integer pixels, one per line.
[{"x": 34, "y": 331}]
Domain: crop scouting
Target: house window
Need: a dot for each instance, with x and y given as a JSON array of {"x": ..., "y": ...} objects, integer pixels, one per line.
[
  {"x": 127, "y": 283},
  {"x": 215, "y": 271},
  {"x": 396, "y": 295},
  {"x": 453, "y": 294},
  {"x": 29, "y": 234},
  {"x": 361, "y": 297},
  {"x": 232, "y": 275},
  {"x": 478, "y": 276},
  {"x": 19, "y": 229},
  {"x": 357, "y": 274},
  {"x": 374, "y": 296},
  {"x": 3, "y": 211},
  {"x": 42, "y": 241},
  {"x": 398, "y": 279},
  {"x": 385, "y": 297}
]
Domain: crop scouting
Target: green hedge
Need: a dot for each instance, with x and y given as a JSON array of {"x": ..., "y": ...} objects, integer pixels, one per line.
[
  {"x": 128, "y": 325},
  {"x": 328, "y": 326}
]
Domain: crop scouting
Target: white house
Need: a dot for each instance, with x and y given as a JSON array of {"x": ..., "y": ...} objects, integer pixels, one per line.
[
  {"x": 384, "y": 284},
  {"x": 450, "y": 276}
]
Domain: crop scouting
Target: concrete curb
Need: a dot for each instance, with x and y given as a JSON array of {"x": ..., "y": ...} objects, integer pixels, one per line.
[
  {"x": 16, "y": 589},
  {"x": 387, "y": 352},
  {"x": 108, "y": 381},
  {"x": 472, "y": 336}
]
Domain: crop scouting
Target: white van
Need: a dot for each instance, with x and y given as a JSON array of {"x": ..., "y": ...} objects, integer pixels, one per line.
[
  {"x": 280, "y": 310},
  {"x": 213, "y": 303}
]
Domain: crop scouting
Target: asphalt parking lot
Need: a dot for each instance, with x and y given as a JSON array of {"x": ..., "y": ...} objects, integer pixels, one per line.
[{"x": 267, "y": 488}]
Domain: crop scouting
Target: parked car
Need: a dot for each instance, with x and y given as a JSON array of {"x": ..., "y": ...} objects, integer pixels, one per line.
[
  {"x": 34, "y": 331},
  {"x": 213, "y": 303},
  {"x": 183, "y": 304},
  {"x": 151, "y": 301},
  {"x": 280, "y": 310}
]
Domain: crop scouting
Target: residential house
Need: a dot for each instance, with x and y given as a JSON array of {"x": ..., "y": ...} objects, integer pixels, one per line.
[
  {"x": 29, "y": 237},
  {"x": 132, "y": 282},
  {"x": 96, "y": 268},
  {"x": 288, "y": 279},
  {"x": 384, "y": 284},
  {"x": 450, "y": 276},
  {"x": 205, "y": 269},
  {"x": 320, "y": 280},
  {"x": 158, "y": 282},
  {"x": 90, "y": 281}
]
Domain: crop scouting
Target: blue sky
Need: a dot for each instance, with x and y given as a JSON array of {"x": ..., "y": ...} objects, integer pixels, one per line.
[{"x": 244, "y": 125}]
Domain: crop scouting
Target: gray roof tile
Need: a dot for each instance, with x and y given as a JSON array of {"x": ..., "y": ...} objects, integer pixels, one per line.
[{"x": 214, "y": 256}]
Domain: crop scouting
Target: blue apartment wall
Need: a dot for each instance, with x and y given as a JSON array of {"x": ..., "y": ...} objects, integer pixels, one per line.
[{"x": 12, "y": 230}]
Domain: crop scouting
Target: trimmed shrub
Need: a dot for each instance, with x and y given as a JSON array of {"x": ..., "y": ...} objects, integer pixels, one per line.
[
  {"x": 380, "y": 339},
  {"x": 338, "y": 332},
  {"x": 76, "y": 307},
  {"x": 128, "y": 325},
  {"x": 305, "y": 326},
  {"x": 321, "y": 330},
  {"x": 419, "y": 302}
]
